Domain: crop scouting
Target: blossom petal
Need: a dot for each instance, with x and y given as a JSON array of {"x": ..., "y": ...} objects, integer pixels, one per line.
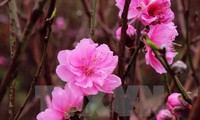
[
  {"x": 50, "y": 114},
  {"x": 111, "y": 83},
  {"x": 64, "y": 73},
  {"x": 62, "y": 56},
  {"x": 61, "y": 101}
]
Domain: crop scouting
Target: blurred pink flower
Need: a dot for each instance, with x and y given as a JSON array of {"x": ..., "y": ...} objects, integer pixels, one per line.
[
  {"x": 130, "y": 31},
  {"x": 176, "y": 104},
  {"x": 161, "y": 35},
  {"x": 148, "y": 11},
  {"x": 59, "y": 24},
  {"x": 88, "y": 68},
  {"x": 165, "y": 115},
  {"x": 158, "y": 11},
  {"x": 2, "y": 60},
  {"x": 62, "y": 102}
]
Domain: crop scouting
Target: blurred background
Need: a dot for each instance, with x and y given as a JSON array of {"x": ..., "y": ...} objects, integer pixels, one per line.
[{"x": 71, "y": 24}]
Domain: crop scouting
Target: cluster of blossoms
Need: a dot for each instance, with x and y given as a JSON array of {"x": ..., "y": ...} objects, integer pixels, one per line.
[
  {"x": 87, "y": 69},
  {"x": 157, "y": 16},
  {"x": 176, "y": 107}
]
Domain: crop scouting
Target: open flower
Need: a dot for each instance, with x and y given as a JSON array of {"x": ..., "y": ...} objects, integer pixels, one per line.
[
  {"x": 88, "y": 68},
  {"x": 148, "y": 11},
  {"x": 161, "y": 35},
  {"x": 158, "y": 11},
  {"x": 136, "y": 7},
  {"x": 62, "y": 102},
  {"x": 177, "y": 105},
  {"x": 165, "y": 115}
]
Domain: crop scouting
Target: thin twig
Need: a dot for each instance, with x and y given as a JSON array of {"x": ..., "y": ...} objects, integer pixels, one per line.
[
  {"x": 188, "y": 45},
  {"x": 14, "y": 32},
  {"x": 48, "y": 23},
  {"x": 92, "y": 21},
  {"x": 122, "y": 42},
  {"x": 11, "y": 73},
  {"x": 123, "y": 39},
  {"x": 105, "y": 28},
  {"x": 133, "y": 58},
  {"x": 166, "y": 79}
]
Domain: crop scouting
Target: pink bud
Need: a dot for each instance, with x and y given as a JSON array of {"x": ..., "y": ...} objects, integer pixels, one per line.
[
  {"x": 177, "y": 105},
  {"x": 165, "y": 115},
  {"x": 130, "y": 31}
]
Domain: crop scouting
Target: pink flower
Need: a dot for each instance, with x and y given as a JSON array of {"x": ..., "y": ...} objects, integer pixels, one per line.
[
  {"x": 161, "y": 35},
  {"x": 59, "y": 24},
  {"x": 62, "y": 102},
  {"x": 177, "y": 104},
  {"x": 165, "y": 115},
  {"x": 130, "y": 31},
  {"x": 148, "y": 11},
  {"x": 136, "y": 7},
  {"x": 158, "y": 11},
  {"x": 88, "y": 68}
]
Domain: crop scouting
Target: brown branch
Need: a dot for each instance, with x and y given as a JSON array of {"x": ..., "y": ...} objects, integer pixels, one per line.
[
  {"x": 121, "y": 46},
  {"x": 47, "y": 27},
  {"x": 123, "y": 39},
  {"x": 11, "y": 73},
  {"x": 14, "y": 32}
]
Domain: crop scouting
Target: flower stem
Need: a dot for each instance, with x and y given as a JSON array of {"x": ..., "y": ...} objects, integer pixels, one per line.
[
  {"x": 92, "y": 21},
  {"x": 165, "y": 64},
  {"x": 167, "y": 84}
]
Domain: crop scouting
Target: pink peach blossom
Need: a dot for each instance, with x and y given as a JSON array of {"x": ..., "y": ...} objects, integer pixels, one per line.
[
  {"x": 136, "y": 7},
  {"x": 148, "y": 11},
  {"x": 158, "y": 11},
  {"x": 130, "y": 31},
  {"x": 62, "y": 102},
  {"x": 161, "y": 35},
  {"x": 165, "y": 115},
  {"x": 88, "y": 68},
  {"x": 176, "y": 102}
]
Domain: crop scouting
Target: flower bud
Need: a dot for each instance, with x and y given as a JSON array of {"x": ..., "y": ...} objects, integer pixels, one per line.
[
  {"x": 179, "y": 67},
  {"x": 165, "y": 115},
  {"x": 177, "y": 105},
  {"x": 130, "y": 32}
]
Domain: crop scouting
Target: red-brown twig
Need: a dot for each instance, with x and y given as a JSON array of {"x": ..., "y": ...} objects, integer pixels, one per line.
[
  {"x": 47, "y": 27},
  {"x": 11, "y": 73},
  {"x": 121, "y": 53}
]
